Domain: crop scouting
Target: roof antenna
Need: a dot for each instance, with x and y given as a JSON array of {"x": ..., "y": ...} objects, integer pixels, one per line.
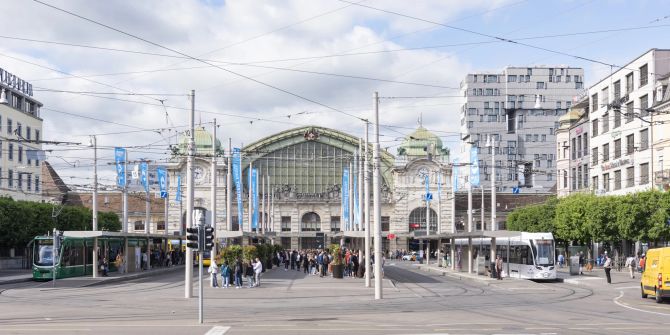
[{"x": 420, "y": 119}]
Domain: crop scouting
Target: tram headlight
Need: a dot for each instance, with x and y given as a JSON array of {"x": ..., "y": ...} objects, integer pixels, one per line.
[{"x": 539, "y": 268}]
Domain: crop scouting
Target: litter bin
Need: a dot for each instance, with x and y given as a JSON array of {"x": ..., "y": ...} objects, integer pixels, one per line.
[{"x": 574, "y": 265}]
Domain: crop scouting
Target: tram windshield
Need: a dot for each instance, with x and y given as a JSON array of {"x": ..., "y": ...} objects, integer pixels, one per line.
[
  {"x": 544, "y": 252},
  {"x": 44, "y": 252}
]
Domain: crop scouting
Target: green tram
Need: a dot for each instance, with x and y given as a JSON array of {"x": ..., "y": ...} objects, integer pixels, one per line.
[{"x": 75, "y": 254}]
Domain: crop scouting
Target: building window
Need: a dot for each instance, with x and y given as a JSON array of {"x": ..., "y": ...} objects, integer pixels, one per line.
[
  {"x": 28, "y": 133},
  {"x": 37, "y": 135},
  {"x": 585, "y": 137},
  {"x": 594, "y": 182},
  {"x": 644, "y": 173},
  {"x": 594, "y": 156},
  {"x": 9, "y": 126},
  {"x": 10, "y": 151},
  {"x": 334, "y": 223},
  {"x": 10, "y": 178},
  {"x": 586, "y": 175},
  {"x": 630, "y": 176},
  {"x": 540, "y": 85},
  {"x": 417, "y": 219},
  {"x": 630, "y": 112},
  {"x": 606, "y": 152},
  {"x": 617, "y": 180},
  {"x": 617, "y": 148},
  {"x": 20, "y": 154},
  {"x": 644, "y": 139},
  {"x": 29, "y": 182},
  {"x": 606, "y": 122},
  {"x": 644, "y": 104},
  {"x": 160, "y": 225},
  {"x": 37, "y": 184},
  {"x": 594, "y": 128},
  {"x": 565, "y": 179},
  {"x": 511, "y": 78},
  {"x": 19, "y": 129},
  {"x": 579, "y": 177},
  {"x": 606, "y": 182},
  {"x": 630, "y": 144},
  {"x": 386, "y": 223},
  {"x": 574, "y": 148},
  {"x": 617, "y": 90},
  {"x": 643, "y": 75},
  {"x": 19, "y": 178},
  {"x": 139, "y": 225},
  {"x": 285, "y": 223},
  {"x": 617, "y": 118},
  {"x": 573, "y": 176},
  {"x": 543, "y": 138},
  {"x": 310, "y": 222},
  {"x": 629, "y": 83},
  {"x": 550, "y": 176},
  {"x": 594, "y": 102}
]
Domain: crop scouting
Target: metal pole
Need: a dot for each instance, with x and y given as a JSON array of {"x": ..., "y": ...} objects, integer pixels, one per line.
[
  {"x": 351, "y": 196},
  {"x": 469, "y": 227},
  {"x": 483, "y": 223},
  {"x": 95, "y": 205},
  {"x": 125, "y": 193},
  {"x": 377, "y": 205},
  {"x": 360, "y": 185},
  {"x": 263, "y": 223},
  {"x": 366, "y": 189},
  {"x": 213, "y": 253},
  {"x": 250, "y": 204},
  {"x": 54, "y": 255},
  {"x": 200, "y": 296},
  {"x": 427, "y": 229},
  {"x": 494, "y": 223},
  {"x": 189, "y": 200}
]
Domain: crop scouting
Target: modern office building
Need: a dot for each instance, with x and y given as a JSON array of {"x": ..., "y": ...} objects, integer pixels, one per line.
[
  {"x": 622, "y": 135},
  {"x": 661, "y": 140},
  {"x": 20, "y": 133},
  {"x": 519, "y": 109}
]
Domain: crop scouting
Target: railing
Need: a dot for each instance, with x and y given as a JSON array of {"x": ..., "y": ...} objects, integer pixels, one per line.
[{"x": 662, "y": 177}]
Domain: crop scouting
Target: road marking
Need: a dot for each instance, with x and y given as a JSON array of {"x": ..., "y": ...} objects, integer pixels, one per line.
[
  {"x": 217, "y": 330},
  {"x": 616, "y": 301}
]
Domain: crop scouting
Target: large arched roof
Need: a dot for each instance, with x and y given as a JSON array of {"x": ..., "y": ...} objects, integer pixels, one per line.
[{"x": 324, "y": 135}]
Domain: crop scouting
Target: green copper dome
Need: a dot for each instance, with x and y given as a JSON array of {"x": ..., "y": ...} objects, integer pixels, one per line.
[
  {"x": 203, "y": 142},
  {"x": 418, "y": 142}
]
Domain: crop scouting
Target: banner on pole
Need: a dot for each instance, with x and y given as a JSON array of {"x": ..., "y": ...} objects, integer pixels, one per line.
[
  {"x": 254, "y": 198},
  {"x": 427, "y": 182},
  {"x": 144, "y": 175},
  {"x": 177, "y": 197},
  {"x": 454, "y": 171},
  {"x": 474, "y": 167},
  {"x": 237, "y": 179},
  {"x": 120, "y": 158},
  {"x": 345, "y": 197},
  {"x": 357, "y": 216},
  {"x": 161, "y": 173},
  {"x": 439, "y": 184}
]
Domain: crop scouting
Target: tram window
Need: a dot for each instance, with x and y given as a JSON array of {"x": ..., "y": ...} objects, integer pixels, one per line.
[
  {"x": 44, "y": 252},
  {"x": 88, "y": 255}
]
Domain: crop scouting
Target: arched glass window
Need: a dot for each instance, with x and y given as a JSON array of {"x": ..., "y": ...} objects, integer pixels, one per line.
[
  {"x": 417, "y": 219},
  {"x": 310, "y": 222}
]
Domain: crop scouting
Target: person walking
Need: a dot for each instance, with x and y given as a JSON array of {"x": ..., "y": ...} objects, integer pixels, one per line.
[
  {"x": 213, "y": 270},
  {"x": 238, "y": 273},
  {"x": 581, "y": 262},
  {"x": 225, "y": 275},
  {"x": 630, "y": 264},
  {"x": 499, "y": 267},
  {"x": 561, "y": 260},
  {"x": 249, "y": 273},
  {"x": 608, "y": 267},
  {"x": 258, "y": 268}
]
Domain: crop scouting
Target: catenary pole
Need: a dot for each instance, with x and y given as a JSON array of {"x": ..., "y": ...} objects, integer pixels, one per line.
[
  {"x": 95, "y": 205},
  {"x": 213, "y": 196},
  {"x": 229, "y": 187},
  {"x": 376, "y": 182},
  {"x": 366, "y": 196},
  {"x": 189, "y": 198}
]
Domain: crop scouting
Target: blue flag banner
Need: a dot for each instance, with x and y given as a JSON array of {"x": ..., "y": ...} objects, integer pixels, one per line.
[
  {"x": 345, "y": 197},
  {"x": 144, "y": 175},
  {"x": 254, "y": 197},
  {"x": 161, "y": 173},
  {"x": 237, "y": 179},
  {"x": 427, "y": 182},
  {"x": 454, "y": 171},
  {"x": 474, "y": 167},
  {"x": 120, "y": 158},
  {"x": 439, "y": 184},
  {"x": 357, "y": 217},
  {"x": 177, "y": 196}
]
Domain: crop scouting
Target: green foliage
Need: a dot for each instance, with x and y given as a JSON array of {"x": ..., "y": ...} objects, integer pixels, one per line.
[
  {"x": 249, "y": 252},
  {"x": 336, "y": 251},
  {"x": 21, "y": 221},
  {"x": 230, "y": 254},
  {"x": 584, "y": 218}
]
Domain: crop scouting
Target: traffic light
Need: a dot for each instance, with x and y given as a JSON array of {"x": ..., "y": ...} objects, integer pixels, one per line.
[
  {"x": 193, "y": 238},
  {"x": 208, "y": 242}
]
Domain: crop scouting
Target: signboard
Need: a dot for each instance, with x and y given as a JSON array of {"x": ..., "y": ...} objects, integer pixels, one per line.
[
  {"x": 474, "y": 166},
  {"x": 16, "y": 82},
  {"x": 391, "y": 236},
  {"x": 120, "y": 158},
  {"x": 162, "y": 181}
]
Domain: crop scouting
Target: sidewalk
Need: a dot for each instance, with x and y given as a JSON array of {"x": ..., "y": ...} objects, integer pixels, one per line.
[
  {"x": 597, "y": 275},
  {"x": 448, "y": 272},
  {"x": 24, "y": 275}
]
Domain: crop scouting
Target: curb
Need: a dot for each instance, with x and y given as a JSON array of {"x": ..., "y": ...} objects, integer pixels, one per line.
[
  {"x": 134, "y": 276},
  {"x": 15, "y": 281},
  {"x": 455, "y": 275}
]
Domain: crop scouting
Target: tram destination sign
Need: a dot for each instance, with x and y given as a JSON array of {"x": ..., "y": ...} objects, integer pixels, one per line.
[{"x": 15, "y": 82}]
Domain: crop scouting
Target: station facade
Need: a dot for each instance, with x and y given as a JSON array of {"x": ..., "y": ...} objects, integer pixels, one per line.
[{"x": 300, "y": 188}]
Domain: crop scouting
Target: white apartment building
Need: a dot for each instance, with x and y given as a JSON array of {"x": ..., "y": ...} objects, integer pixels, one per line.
[
  {"x": 519, "y": 108},
  {"x": 622, "y": 152},
  {"x": 661, "y": 140},
  {"x": 20, "y": 131}
]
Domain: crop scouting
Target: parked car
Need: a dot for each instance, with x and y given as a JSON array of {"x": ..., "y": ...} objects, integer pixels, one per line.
[{"x": 409, "y": 257}]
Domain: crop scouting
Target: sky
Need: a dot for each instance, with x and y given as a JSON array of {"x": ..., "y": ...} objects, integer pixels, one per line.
[{"x": 260, "y": 67}]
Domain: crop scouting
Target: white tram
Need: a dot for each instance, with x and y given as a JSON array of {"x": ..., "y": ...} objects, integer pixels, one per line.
[{"x": 528, "y": 256}]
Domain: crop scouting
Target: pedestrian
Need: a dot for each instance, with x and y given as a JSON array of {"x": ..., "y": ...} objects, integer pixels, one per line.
[
  {"x": 581, "y": 262},
  {"x": 225, "y": 275},
  {"x": 249, "y": 273},
  {"x": 258, "y": 269},
  {"x": 213, "y": 270},
  {"x": 608, "y": 267},
  {"x": 630, "y": 264},
  {"x": 642, "y": 263},
  {"x": 561, "y": 260},
  {"x": 499, "y": 267},
  {"x": 238, "y": 273},
  {"x": 105, "y": 267}
]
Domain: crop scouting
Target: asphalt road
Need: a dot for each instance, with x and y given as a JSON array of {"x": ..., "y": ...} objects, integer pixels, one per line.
[{"x": 288, "y": 302}]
